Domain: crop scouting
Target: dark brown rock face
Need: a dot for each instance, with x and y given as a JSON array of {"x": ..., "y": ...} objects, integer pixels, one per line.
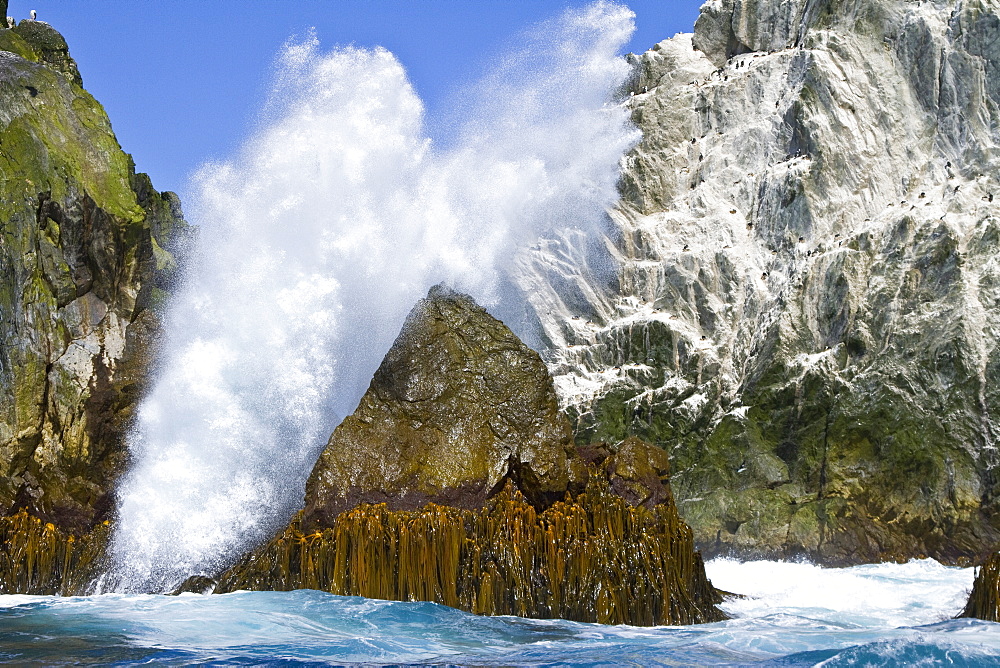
[
  {"x": 458, "y": 407},
  {"x": 636, "y": 471}
]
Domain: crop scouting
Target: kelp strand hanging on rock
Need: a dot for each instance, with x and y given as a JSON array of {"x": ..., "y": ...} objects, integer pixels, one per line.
[
  {"x": 594, "y": 558},
  {"x": 984, "y": 601},
  {"x": 38, "y": 558}
]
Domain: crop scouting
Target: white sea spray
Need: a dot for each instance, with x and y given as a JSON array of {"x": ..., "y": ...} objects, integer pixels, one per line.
[{"x": 314, "y": 242}]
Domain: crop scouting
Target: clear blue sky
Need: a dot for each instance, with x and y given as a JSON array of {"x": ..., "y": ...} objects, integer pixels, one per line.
[{"x": 183, "y": 80}]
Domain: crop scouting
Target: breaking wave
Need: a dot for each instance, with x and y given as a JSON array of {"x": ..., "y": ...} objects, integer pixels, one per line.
[{"x": 314, "y": 242}]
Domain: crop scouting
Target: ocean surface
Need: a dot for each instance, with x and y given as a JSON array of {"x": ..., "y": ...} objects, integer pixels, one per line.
[{"x": 794, "y": 614}]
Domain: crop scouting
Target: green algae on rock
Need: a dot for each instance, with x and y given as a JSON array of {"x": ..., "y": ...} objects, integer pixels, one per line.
[{"x": 86, "y": 251}]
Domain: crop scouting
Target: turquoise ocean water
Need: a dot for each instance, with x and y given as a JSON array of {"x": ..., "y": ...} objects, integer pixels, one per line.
[{"x": 794, "y": 614}]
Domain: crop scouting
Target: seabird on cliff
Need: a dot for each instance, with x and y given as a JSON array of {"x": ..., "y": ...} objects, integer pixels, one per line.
[{"x": 33, "y": 14}]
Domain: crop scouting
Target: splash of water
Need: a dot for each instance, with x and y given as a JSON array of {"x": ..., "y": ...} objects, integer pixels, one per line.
[
  {"x": 315, "y": 242},
  {"x": 887, "y": 595}
]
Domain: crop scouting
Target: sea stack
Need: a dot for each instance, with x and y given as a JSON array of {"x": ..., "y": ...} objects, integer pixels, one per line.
[
  {"x": 456, "y": 481},
  {"x": 85, "y": 259}
]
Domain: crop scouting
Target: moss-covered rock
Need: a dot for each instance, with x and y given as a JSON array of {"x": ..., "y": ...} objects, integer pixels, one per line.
[
  {"x": 50, "y": 47},
  {"x": 84, "y": 244}
]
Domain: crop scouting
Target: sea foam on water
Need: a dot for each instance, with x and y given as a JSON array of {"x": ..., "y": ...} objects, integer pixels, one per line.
[{"x": 314, "y": 242}]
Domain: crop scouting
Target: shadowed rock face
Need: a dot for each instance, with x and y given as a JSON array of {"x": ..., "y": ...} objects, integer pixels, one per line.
[
  {"x": 635, "y": 470},
  {"x": 84, "y": 260},
  {"x": 458, "y": 406}
]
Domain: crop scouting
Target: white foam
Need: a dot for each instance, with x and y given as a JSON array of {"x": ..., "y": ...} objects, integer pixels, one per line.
[
  {"x": 921, "y": 591},
  {"x": 315, "y": 242}
]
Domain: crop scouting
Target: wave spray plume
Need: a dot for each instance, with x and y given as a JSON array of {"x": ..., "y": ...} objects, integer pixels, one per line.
[{"x": 315, "y": 242}]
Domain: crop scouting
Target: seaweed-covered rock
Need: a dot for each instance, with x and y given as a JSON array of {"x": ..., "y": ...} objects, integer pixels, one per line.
[
  {"x": 456, "y": 481},
  {"x": 39, "y": 558},
  {"x": 593, "y": 558},
  {"x": 86, "y": 251},
  {"x": 984, "y": 599},
  {"x": 458, "y": 406}
]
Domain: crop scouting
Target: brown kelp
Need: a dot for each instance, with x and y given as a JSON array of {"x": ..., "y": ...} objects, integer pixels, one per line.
[
  {"x": 984, "y": 601},
  {"x": 592, "y": 558},
  {"x": 38, "y": 558}
]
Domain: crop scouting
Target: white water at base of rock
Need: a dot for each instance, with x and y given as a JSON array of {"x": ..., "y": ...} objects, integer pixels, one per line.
[
  {"x": 315, "y": 242},
  {"x": 921, "y": 591}
]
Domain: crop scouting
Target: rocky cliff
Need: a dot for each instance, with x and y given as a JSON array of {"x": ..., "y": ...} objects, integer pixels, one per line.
[
  {"x": 85, "y": 256},
  {"x": 808, "y": 297}
]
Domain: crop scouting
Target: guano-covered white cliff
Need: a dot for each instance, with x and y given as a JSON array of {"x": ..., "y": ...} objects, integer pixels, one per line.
[{"x": 805, "y": 298}]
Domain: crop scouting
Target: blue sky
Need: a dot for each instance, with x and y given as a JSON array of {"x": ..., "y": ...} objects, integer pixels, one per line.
[{"x": 183, "y": 80}]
